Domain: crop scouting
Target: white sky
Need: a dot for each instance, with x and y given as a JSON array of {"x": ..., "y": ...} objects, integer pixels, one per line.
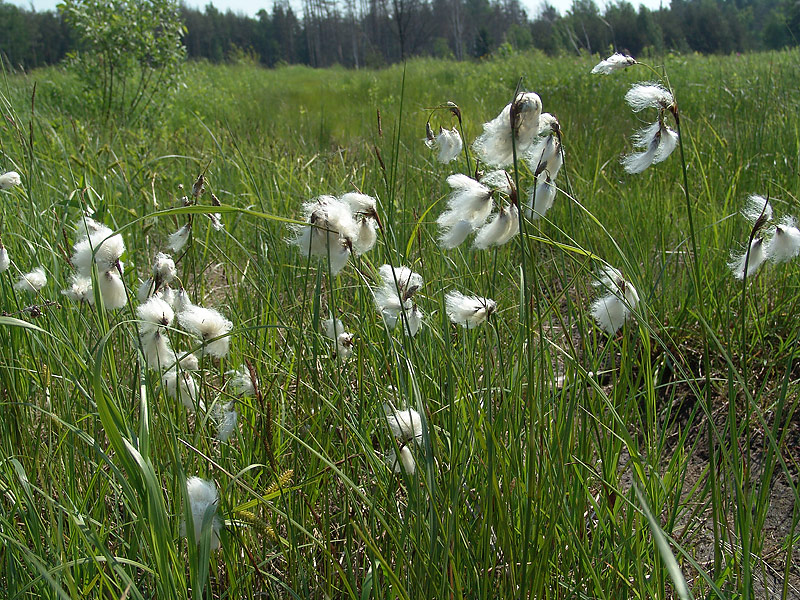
[{"x": 251, "y": 7}]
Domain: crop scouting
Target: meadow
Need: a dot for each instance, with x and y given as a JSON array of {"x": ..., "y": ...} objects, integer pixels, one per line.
[{"x": 553, "y": 459}]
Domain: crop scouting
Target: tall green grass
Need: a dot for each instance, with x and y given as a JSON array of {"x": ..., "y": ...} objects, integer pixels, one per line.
[{"x": 557, "y": 462}]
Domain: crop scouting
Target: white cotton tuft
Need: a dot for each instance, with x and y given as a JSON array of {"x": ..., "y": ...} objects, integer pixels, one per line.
[
  {"x": 80, "y": 289},
  {"x": 332, "y": 328},
  {"x": 455, "y": 235},
  {"x": 610, "y": 313},
  {"x": 394, "y": 297},
  {"x": 360, "y": 204},
  {"x": 181, "y": 386},
  {"x": 101, "y": 248},
  {"x": 405, "y": 463},
  {"x": 405, "y": 423},
  {"x": 499, "y": 229},
  {"x": 86, "y": 226},
  {"x": 210, "y": 327},
  {"x": 157, "y": 351},
  {"x": 177, "y": 240},
  {"x": 112, "y": 290},
  {"x": 366, "y": 236},
  {"x": 155, "y": 314},
  {"x": 189, "y": 362},
  {"x": 32, "y": 282},
  {"x": 757, "y": 208},
  {"x": 331, "y": 230},
  {"x": 541, "y": 197},
  {"x": 612, "y": 310},
  {"x": 242, "y": 382},
  {"x": 9, "y": 180},
  {"x": 649, "y": 95},
  {"x": 164, "y": 271},
  {"x": 448, "y": 143},
  {"x": 495, "y": 146},
  {"x": 667, "y": 144},
  {"x": 226, "y": 419},
  {"x": 5, "y": 260},
  {"x": 146, "y": 289},
  {"x": 545, "y": 154},
  {"x": 784, "y": 245},
  {"x": 752, "y": 260},
  {"x": 413, "y": 321},
  {"x": 615, "y": 62},
  {"x": 344, "y": 345},
  {"x": 468, "y": 311},
  {"x": 203, "y": 498},
  {"x": 181, "y": 301},
  {"x": 469, "y": 201}
]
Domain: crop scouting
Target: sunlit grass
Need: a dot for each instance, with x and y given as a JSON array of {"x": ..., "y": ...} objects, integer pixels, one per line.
[{"x": 539, "y": 428}]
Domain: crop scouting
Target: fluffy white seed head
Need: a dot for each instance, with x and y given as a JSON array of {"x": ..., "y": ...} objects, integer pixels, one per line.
[
  {"x": 366, "y": 236},
  {"x": 405, "y": 423},
  {"x": 331, "y": 230},
  {"x": 86, "y": 226},
  {"x": 469, "y": 201},
  {"x": 413, "y": 321},
  {"x": 112, "y": 290},
  {"x": 155, "y": 314},
  {"x": 360, "y": 204},
  {"x": 448, "y": 143},
  {"x": 344, "y": 345},
  {"x": 157, "y": 351},
  {"x": 177, "y": 240},
  {"x": 613, "y": 309},
  {"x": 637, "y": 162},
  {"x": 242, "y": 382},
  {"x": 615, "y": 62},
  {"x": 455, "y": 235},
  {"x": 405, "y": 462},
  {"x": 189, "y": 362},
  {"x": 499, "y": 230},
  {"x": 784, "y": 245},
  {"x": 545, "y": 154},
  {"x": 495, "y": 146},
  {"x": 498, "y": 180},
  {"x": 146, "y": 289},
  {"x": 164, "y": 271},
  {"x": 102, "y": 249},
  {"x": 394, "y": 295},
  {"x": 32, "y": 282},
  {"x": 757, "y": 208},
  {"x": 210, "y": 327},
  {"x": 180, "y": 301},
  {"x": 226, "y": 419},
  {"x": 203, "y": 498},
  {"x": 9, "y": 180},
  {"x": 610, "y": 313},
  {"x": 80, "y": 289},
  {"x": 181, "y": 386},
  {"x": 649, "y": 95},
  {"x": 468, "y": 311},
  {"x": 659, "y": 141},
  {"x": 5, "y": 259},
  {"x": 332, "y": 328},
  {"x": 541, "y": 197},
  {"x": 747, "y": 263}
]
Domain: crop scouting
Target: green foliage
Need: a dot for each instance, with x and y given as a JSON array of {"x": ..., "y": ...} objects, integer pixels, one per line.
[
  {"x": 557, "y": 462},
  {"x": 128, "y": 52}
]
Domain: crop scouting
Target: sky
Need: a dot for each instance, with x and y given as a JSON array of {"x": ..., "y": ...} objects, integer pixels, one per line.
[{"x": 251, "y": 7}]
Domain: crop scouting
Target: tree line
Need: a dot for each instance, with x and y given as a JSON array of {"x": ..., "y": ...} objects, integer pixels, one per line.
[{"x": 373, "y": 33}]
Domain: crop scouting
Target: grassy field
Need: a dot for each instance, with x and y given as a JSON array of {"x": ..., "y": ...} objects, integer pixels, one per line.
[{"x": 555, "y": 460}]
